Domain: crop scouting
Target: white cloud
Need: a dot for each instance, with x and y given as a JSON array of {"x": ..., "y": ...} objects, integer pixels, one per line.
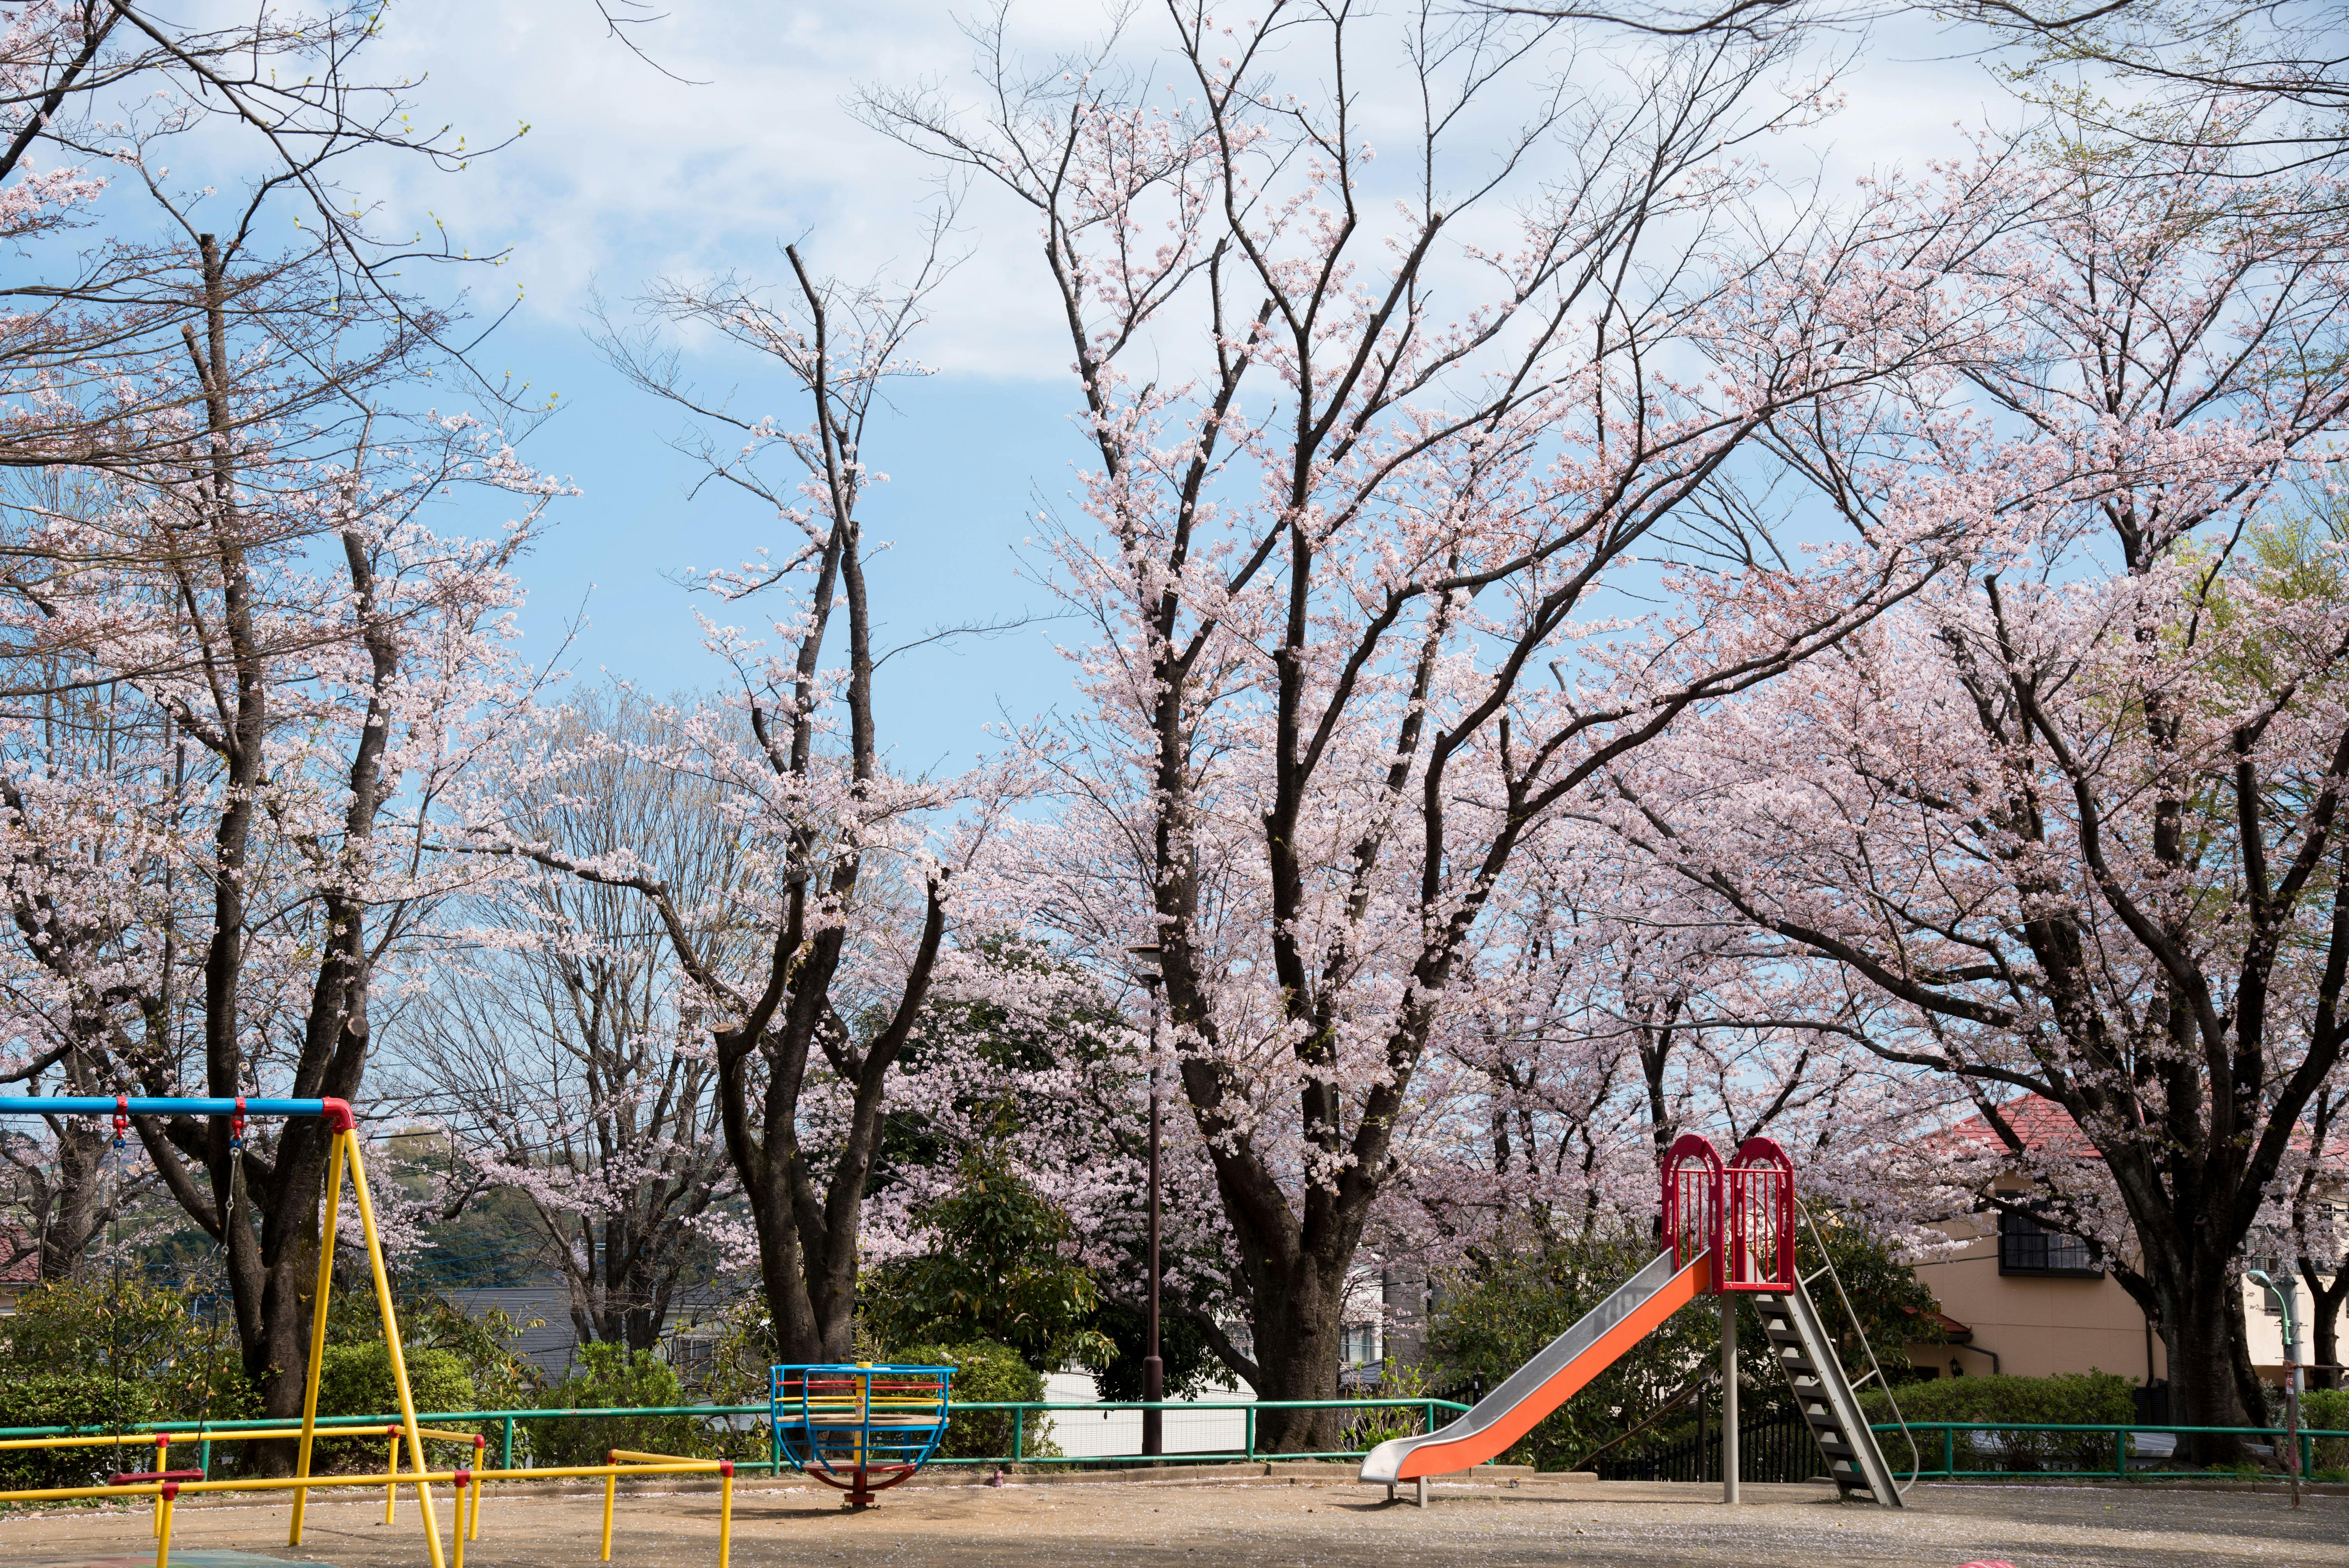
[{"x": 626, "y": 174}]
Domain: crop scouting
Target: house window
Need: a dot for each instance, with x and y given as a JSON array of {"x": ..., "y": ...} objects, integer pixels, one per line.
[{"x": 2027, "y": 1247}]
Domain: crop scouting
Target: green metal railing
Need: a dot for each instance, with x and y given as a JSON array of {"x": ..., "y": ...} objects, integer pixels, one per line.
[
  {"x": 2119, "y": 1434},
  {"x": 1423, "y": 1411},
  {"x": 1424, "y": 1408}
]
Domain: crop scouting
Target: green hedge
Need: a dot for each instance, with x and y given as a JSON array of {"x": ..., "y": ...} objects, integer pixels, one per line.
[
  {"x": 2327, "y": 1409},
  {"x": 355, "y": 1380},
  {"x": 2072, "y": 1398},
  {"x": 985, "y": 1373},
  {"x": 611, "y": 1376},
  {"x": 71, "y": 1399}
]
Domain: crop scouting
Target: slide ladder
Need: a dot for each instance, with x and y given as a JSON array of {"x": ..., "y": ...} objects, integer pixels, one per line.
[{"x": 1827, "y": 1396}]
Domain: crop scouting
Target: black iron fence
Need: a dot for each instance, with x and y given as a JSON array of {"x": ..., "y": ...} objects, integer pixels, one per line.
[{"x": 1769, "y": 1448}]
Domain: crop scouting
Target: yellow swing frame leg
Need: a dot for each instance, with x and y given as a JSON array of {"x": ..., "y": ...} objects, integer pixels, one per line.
[{"x": 343, "y": 1150}]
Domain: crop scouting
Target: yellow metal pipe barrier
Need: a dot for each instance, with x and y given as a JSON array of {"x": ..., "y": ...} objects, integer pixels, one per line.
[
  {"x": 163, "y": 1439},
  {"x": 70, "y": 1493},
  {"x": 725, "y": 1514},
  {"x": 630, "y": 1455},
  {"x": 144, "y": 1440},
  {"x": 392, "y": 1463},
  {"x": 406, "y": 1478},
  {"x": 164, "y": 1500},
  {"x": 166, "y": 1495}
]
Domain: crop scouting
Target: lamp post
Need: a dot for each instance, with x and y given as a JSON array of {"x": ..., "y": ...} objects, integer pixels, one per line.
[
  {"x": 1154, "y": 1369},
  {"x": 2287, "y": 1296}
]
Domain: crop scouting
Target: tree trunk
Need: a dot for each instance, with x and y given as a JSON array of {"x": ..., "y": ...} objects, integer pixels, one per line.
[
  {"x": 1298, "y": 1322},
  {"x": 2324, "y": 1304},
  {"x": 73, "y": 1199},
  {"x": 2198, "y": 1329}
]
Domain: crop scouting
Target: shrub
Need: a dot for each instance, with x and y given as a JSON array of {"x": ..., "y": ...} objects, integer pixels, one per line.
[
  {"x": 482, "y": 1344},
  {"x": 153, "y": 1336},
  {"x": 2327, "y": 1409},
  {"x": 71, "y": 1399},
  {"x": 355, "y": 1380},
  {"x": 985, "y": 1373},
  {"x": 1366, "y": 1429},
  {"x": 2068, "y": 1399},
  {"x": 610, "y": 1377}
]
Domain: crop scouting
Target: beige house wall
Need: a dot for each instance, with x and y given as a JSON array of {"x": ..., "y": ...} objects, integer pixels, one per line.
[
  {"x": 2034, "y": 1326},
  {"x": 2038, "y": 1325}
]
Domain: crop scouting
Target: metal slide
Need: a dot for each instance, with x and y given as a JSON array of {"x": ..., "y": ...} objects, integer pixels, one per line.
[
  {"x": 1827, "y": 1398},
  {"x": 1549, "y": 1379}
]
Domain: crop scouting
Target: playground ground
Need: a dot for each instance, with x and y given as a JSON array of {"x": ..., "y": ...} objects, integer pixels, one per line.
[{"x": 1291, "y": 1522}]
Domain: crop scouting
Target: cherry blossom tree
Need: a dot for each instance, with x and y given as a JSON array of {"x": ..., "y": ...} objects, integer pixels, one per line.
[
  {"x": 1626, "y": 1012},
  {"x": 836, "y": 924},
  {"x": 1376, "y": 461},
  {"x": 104, "y": 107},
  {"x": 2067, "y": 823},
  {"x": 561, "y": 1045},
  {"x": 208, "y": 886}
]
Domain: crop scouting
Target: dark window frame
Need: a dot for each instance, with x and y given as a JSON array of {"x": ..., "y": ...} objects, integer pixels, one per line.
[{"x": 2028, "y": 1250}]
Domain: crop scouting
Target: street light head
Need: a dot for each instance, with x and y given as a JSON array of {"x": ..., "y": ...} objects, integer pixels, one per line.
[{"x": 1148, "y": 953}]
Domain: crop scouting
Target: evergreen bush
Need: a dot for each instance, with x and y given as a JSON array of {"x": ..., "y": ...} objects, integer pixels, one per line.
[
  {"x": 986, "y": 1372},
  {"x": 2072, "y": 1398},
  {"x": 71, "y": 1399},
  {"x": 2327, "y": 1409},
  {"x": 355, "y": 1380},
  {"x": 611, "y": 1376}
]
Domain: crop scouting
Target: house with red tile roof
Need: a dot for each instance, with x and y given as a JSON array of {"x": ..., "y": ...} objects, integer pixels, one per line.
[{"x": 2019, "y": 1297}]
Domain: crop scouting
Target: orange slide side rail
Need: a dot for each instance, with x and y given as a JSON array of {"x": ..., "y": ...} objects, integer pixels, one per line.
[{"x": 1474, "y": 1449}]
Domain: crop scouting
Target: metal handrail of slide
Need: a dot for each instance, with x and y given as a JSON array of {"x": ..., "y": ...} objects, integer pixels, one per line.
[{"x": 1827, "y": 1260}]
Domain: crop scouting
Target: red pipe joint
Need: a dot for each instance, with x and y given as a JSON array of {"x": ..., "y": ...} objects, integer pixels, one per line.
[{"x": 338, "y": 1115}]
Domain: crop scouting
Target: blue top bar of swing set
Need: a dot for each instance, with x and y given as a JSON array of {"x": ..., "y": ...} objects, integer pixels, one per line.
[{"x": 170, "y": 1105}]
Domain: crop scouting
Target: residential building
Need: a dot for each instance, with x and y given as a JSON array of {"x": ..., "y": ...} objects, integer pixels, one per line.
[{"x": 2018, "y": 1297}]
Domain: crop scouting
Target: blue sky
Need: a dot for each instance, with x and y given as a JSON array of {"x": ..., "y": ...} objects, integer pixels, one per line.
[{"x": 627, "y": 175}]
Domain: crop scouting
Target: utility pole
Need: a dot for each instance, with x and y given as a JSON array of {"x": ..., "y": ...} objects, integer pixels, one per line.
[{"x": 1154, "y": 1369}]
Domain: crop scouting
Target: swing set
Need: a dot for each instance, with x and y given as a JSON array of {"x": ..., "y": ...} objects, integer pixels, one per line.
[{"x": 166, "y": 1485}]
